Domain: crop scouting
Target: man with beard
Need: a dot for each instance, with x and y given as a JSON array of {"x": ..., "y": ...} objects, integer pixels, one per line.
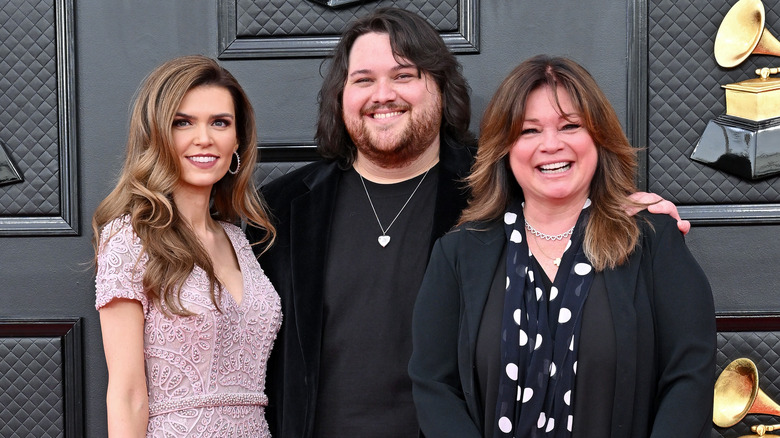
[{"x": 354, "y": 231}]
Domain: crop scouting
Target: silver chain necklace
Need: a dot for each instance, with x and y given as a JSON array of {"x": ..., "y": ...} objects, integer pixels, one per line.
[
  {"x": 544, "y": 236},
  {"x": 384, "y": 239}
]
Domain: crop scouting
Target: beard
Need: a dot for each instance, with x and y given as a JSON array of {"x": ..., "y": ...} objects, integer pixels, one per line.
[{"x": 394, "y": 150}]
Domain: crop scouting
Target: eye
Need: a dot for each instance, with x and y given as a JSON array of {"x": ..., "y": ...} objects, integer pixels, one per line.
[
  {"x": 528, "y": 131},
  {"x": 407, "y": 73},
  {"x": 180, "y": 123},
  {"x": 362, "y": 81},
  {"x": 222, "y": 123},
  {"x": 571, "y": 126}
]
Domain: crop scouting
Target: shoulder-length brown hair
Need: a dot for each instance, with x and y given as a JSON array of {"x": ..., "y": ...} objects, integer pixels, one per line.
[
  {"x": 151, "y": 171},
  {"x": 413, "y": 39},
  {"x": 612, "y": 233}
]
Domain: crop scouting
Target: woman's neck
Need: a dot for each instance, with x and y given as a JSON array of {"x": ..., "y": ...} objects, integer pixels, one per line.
[{"x": 194, "y": 209}]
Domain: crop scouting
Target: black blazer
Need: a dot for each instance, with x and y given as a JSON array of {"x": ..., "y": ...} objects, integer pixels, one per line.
[
  {"x": 664, "y": 320},
  {"x": 301, "y": 204}
]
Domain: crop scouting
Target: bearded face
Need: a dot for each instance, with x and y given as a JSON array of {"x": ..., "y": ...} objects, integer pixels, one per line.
[{"x": 392, "y": 111}]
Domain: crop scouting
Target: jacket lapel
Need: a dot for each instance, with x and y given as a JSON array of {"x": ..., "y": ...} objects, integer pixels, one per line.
[
  {"x": 310, "y": 222},
  {"x": 481, "y": 259},
  {"x": 621, "y": 284},
  {"x": 477, "y": 273}
]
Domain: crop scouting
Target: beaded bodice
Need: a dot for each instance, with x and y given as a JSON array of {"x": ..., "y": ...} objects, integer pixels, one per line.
[{"x": 207, "y": 370}]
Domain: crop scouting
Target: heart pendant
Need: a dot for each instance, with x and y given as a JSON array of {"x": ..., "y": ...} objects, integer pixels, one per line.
[{"x": 384, "y": 240}]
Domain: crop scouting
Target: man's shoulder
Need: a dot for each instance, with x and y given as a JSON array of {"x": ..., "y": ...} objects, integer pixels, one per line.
[
  {"x": 296, "y": 180},
  {"x": 458, "y": 157}
]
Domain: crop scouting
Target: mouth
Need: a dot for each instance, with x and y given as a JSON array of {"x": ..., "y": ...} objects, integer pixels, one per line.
[
  {"x": 553, "y": 168},
  {"x": 202, "y": 158},
  {"x": 385, "y": 111},
  {"x": 380, "y": 116}
]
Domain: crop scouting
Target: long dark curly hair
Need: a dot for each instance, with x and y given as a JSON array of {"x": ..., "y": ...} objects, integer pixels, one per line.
[{"x": 411, "y": 38}]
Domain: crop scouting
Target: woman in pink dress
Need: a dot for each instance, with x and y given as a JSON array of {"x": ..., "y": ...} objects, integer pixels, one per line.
[{"x": 188, "y": 317}]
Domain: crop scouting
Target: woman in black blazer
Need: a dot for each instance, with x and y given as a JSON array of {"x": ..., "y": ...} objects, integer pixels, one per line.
[{"x": 551, "y": 311}]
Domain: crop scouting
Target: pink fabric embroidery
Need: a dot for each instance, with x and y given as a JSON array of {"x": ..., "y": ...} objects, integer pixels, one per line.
[{"x": 205, "y": 373}]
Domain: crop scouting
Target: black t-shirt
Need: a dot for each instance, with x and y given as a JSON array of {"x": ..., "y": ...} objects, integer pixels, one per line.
[{"x": 364, "y": 387}]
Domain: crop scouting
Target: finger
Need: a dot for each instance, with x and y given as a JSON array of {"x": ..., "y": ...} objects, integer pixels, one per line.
[{"x": 684, "y": 226}]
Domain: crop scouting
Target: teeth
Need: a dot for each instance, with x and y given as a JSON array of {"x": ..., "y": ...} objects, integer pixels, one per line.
[
  {"x": 203, "y": 159},
  {"x": 386, "y": 115},
  {"x": 555, "y": 167}
]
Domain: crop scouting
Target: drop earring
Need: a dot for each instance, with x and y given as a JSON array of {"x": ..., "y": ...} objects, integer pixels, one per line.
[{"x": 238, "y": 164}]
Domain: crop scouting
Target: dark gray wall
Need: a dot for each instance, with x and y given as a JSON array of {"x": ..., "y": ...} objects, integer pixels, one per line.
[{"x": 119, "y": 41}]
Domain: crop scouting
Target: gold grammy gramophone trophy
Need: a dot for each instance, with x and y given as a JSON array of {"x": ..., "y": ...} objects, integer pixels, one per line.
[
  {"x": 737, "y": 394},
  {"x": 746, "y": 140}
]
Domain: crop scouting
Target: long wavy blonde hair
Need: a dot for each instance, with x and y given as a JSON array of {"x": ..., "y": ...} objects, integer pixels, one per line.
[
  {"x": 611, "y": 234},
  {"x": 151, "y": 171}
]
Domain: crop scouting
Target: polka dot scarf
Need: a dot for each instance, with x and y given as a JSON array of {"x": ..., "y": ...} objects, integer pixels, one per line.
[{"x": 539, "y": 336}]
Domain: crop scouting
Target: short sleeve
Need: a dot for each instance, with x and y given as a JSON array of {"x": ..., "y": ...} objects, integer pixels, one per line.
[{"x": 120, "y": 267}]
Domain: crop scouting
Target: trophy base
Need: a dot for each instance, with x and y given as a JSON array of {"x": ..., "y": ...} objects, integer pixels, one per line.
[
  {"x": 759, "y": 436},
  {"x": 741, "y": 147},
  {"x": 754, "y": 99}
]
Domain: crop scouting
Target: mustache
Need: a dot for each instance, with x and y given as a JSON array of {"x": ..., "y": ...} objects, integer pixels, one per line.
[{"x": 384, "y": 106}]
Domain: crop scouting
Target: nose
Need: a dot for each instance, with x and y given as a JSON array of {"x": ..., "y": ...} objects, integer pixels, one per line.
[
  {"x": 202, "y": 135},
  {"x": 384, "y": 91},
  {"x": 550, "y": 141}
]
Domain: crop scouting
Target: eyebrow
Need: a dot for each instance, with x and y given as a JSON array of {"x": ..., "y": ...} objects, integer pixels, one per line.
[
  {"x": 566, "y": 117},
  {"x": 213, "y": 116}
]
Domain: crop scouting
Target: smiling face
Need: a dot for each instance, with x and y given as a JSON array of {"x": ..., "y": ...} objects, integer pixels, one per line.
[
  {"x": 391, "y": 110},
  {"x": 555, "y": 158},
  {"x": 204, "y": 137}
]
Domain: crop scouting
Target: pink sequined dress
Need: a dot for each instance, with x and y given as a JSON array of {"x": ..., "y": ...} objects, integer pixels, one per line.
[{"x": 205, "y": 373}]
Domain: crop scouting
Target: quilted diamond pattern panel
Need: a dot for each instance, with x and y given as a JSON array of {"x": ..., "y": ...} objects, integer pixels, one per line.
[
  {"x": 268, "y": 18},
  {"x": 684, "y": 93},
  {"x": 267, "y": 172},
  {"x": 31, "y": 388},
  {"x": 28, "y": 106},
  {"x": 761, "y": 348}
]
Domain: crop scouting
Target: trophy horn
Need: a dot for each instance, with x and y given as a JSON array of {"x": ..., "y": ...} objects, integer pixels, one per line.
[
  {"x": 737, "y": 394},
  {"x": 742, "y": 33}
]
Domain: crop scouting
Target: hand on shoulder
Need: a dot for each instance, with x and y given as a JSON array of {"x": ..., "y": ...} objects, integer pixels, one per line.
[{"x": 657, "y": 205}]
